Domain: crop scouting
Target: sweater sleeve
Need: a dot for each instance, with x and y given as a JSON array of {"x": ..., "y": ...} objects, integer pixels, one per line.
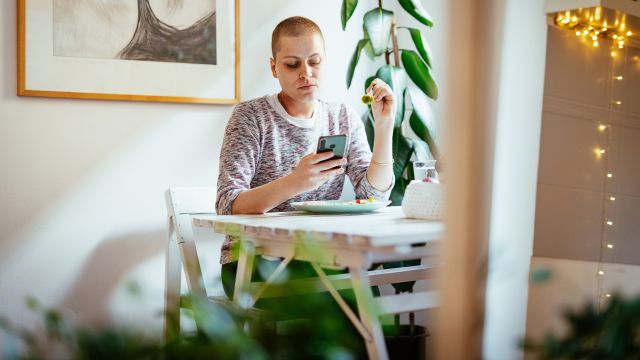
[
  {"x": 358, "y": 160},
  {"x": 239, "y": 157}
]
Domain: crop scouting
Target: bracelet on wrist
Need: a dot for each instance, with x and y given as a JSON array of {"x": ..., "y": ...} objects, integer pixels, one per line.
[{"x": 382, "y": 163}]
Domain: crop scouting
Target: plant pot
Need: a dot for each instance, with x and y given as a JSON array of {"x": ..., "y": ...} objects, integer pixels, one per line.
[{"x": 402, "y": 344}]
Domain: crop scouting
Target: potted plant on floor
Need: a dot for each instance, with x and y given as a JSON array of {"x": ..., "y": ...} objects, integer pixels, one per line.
[{"x": 380, "y": 39}]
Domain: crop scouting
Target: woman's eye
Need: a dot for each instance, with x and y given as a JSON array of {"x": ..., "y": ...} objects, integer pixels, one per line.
[{"x": 292, "y": 65}]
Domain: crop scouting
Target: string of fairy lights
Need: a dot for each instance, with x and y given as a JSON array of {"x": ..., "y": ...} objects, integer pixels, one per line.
[
  {"x": 592, "y": 27},
  {"x": 603, "y": 153}
]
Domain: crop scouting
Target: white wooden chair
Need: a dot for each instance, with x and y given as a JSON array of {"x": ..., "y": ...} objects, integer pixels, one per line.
[{"x": 182, "y": 203}]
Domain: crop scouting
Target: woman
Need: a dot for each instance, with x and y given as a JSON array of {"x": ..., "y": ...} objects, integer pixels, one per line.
[{"x": 268, "y": 157}]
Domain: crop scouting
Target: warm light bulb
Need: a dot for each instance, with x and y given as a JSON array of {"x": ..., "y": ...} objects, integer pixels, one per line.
[
  {"x": 607, "y": 295},
  {"x": 594, "y": 37},
  {"x": 610, "y": 246},
  {"x": 578, "y": 33},
  {"x": 600, "y": 272},
  {"x": 629, "y": 33},
  {"x": 615, "y": 36},
  {"x": 602, "y": 151},
  {"x": 609, "y": 175},
  {"x": 613, "y": 198},
  {"x": 610, "y": 223},
  {"x": 575, "y": 18},
  {"x": 595, "y": 44},
  {"x": 613, "y": 54},
  {"x": 618, "y": 77},
  {"x": 618, "y": 102},
  {"x": 585, "y": 32},
  {"x": 602, "y": 128}
]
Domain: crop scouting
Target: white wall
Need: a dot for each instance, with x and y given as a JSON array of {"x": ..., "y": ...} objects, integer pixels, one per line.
[
  {"x": 82, "y": 181},
  {"x": 515, "y": 173},
  {"x": 573, "y": 192}
]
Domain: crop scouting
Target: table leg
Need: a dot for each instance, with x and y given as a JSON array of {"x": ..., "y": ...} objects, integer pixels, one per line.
[
  {"x": 241, "y": 296},
  {"x": 376, "y": 347}
]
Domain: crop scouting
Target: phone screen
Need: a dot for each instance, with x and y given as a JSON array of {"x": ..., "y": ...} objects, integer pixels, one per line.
[{"x": 335, "y": 143}]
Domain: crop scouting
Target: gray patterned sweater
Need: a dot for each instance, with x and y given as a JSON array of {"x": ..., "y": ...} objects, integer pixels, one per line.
[{"x": 262, "y": 143}]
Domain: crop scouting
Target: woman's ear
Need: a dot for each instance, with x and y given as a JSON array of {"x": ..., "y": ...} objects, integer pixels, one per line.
[{"x": 272, "y": 63}]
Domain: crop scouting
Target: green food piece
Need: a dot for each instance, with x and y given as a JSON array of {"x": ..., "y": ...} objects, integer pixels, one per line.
[{"x": 367, "y": 99}]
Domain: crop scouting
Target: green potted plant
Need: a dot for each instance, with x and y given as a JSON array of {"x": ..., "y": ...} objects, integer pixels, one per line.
[{"x": 380, "y": 39}]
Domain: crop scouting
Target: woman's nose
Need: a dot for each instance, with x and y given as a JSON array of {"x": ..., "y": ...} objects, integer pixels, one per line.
[{"x": 305, "y": 71}]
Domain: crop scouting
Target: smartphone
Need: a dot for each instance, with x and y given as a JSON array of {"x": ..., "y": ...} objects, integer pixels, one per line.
[{"x": 335, "y": 143}]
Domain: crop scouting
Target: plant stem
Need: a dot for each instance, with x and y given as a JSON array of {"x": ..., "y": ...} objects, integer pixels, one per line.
[
  {"x": 386, "y": 57},
  {"x": 380, "y": 4},
  {"x": 412, "y": 323},
  {"x": 394, "y": 39}
]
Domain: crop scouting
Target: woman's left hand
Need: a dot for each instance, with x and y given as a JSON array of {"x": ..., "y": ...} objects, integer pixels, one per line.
[{"x": 384, "y": 104}]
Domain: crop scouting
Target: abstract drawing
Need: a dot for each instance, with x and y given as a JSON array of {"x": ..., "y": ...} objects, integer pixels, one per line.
[{"x": 154, "y": 30}]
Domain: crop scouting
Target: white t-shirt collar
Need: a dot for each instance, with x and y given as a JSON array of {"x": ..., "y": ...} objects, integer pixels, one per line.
[{"x": 299, "y": 122}]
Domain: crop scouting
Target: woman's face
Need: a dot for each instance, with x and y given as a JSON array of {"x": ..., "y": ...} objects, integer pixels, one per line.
[{"x": 298, "y": 65}]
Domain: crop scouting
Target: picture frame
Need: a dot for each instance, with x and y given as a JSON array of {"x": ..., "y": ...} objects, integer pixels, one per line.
[{"x": 104, "y": 52}]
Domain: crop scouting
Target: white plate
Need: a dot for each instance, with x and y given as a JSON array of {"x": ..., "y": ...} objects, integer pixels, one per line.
[{"x": 339, "y": 206}]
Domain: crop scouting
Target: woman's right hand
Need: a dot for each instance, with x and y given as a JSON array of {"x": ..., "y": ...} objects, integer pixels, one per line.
[{"x": 314, "y": 170}]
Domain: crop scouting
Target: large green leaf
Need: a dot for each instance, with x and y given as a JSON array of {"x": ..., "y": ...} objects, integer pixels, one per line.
[
  {"x": 415, "y": 8},
  {"x": 368, "y": 82},
  {"x": 377, "y": 25},
  {"x": 367, "y": 120},
  {"x": 396, "y": 78},
  {"x": 368, "y": 49},
  {"x": 397, "y": 193},
  {"x": 421, "y": 151},
  {"x": 422, "y": 121},
  {"x": 348, "y": 7},
  {"x": 421, "y": 45},
  {"x": 354, "y": 60},
  {"x": 419, "y": 73},
  {"x": 402, "y": 151}
]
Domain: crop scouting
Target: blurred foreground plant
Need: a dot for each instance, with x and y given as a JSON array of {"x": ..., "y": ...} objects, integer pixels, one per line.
[
  {"x": 221, "y": 335},
  {"x": 612, "y": 333}
]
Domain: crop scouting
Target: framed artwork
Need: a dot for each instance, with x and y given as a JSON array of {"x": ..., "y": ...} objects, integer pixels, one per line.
[{"x": 142, "y": 50}]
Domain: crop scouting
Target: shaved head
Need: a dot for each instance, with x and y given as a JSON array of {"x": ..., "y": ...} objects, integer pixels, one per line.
[{"x": 293, "y": 26}]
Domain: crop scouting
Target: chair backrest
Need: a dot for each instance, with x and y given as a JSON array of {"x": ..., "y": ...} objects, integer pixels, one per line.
[
  {"x": 182, "y": 203},
  {"x": 191, "y": 200}
]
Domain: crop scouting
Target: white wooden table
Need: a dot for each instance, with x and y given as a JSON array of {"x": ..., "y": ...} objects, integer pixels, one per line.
[{"x": 353, "y": 241}]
